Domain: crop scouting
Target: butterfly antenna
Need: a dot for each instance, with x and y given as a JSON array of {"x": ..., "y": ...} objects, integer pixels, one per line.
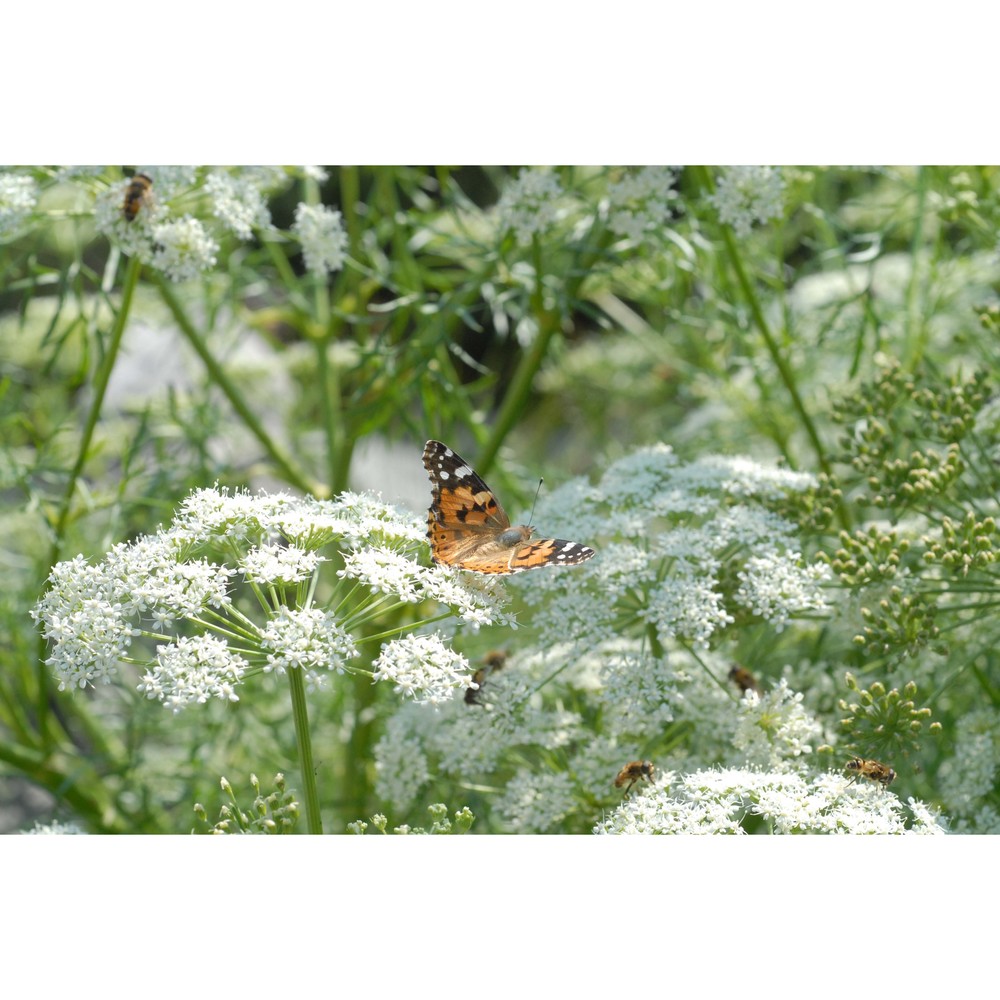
[{"x": 531, "y": 519}]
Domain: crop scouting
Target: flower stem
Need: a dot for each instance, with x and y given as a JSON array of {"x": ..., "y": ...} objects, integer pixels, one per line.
[
  {"x": 293, "y": 475},
  {"x": 103, "y": 376},
  {"x": 304, "y": 746}
]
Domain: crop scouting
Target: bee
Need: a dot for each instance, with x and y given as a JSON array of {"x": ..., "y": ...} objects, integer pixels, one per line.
[
  {"x": 633, "y": 771},
  {"x": 744, "y": 680},
  {"x": 137, "y": 194},
  {"x": 492, "y": 662},
  {"x": 873, "y": 770}
]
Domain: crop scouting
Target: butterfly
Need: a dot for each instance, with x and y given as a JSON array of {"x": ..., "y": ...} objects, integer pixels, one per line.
[{"x": 468, "y": 528}]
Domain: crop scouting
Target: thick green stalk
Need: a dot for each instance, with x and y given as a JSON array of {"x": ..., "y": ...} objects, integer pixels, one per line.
[
  {"x": 293, "y": 475},
  {"x": 303, "y": 742}
]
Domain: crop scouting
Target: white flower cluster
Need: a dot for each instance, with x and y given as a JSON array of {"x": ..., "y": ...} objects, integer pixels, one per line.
[
  {"x": 309, "y": 639},
  {"x": 184, "y": 244},
  {"x": 192, "y": 670},
  {"x": 183, "y": 249},
  {"x": 423, "y": 667},
  {"x": 745, "y": 195},
  {"x": 530, "y": 204},
  {"x": 776, "y": 585},
  {"x": 639, "y": 205},
  {"x": 668, "y": 537},
  {"x": 969, "y": 778},
  {"x": 89, "y": 612},
  {"x": 273, "y": 564},
  {"x": 238, "y": 202},
  {"x": 774, "y": 728},
  {"x": 55, "y": 828},
  {"x": 721, "y": 801},
  {"x": 321, "y": 232},
  {"x": 536, "y": 802},
  {"x": 18, "y": 196},
  {"x": 156, "y": 588},
  {"x": 466, "y": 742}
]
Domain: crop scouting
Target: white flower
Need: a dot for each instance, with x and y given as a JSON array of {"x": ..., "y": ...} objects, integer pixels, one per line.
[
  {"x": 968, "y": 779},
  {"x": 723, "y": 801},
  {"x": 18, "y": 196},
  {"x": 401, "y": 770},
  {"x": 386, "y": 571},
  {"x": 279, "y": 564},
  {"x": 640, "y": 203},
  {"x": 183, "y": 249},
  {"x": 774, "y": 729},
  {"x": 423, "y": 668},
  {"x": 318, "y": 174},
  {"x": 529, "y": 204},
  {"x": 640, "y": 692},
  {"x": 309, "y": 639},
  {"x": 534, "y": 803},
  {"x": 55, "y": 828},
  {"x": 671, "y": 538},
  {"x": 686, "y": 605},
  {"x": 134, "y": 237},
  {"x": 85, "y": 623},
  {"x": 323, "y": 237},
  {"x": 192, "y": 670},
  {"x": 238, "y": 203},
  {"x": 776, "y": 586},
  {"x": 95, "y": 617},
  {"x": 744, "y": 195}
]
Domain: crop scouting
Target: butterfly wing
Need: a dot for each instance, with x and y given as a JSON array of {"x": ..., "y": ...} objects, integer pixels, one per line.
[
  {"x": 468, "y": 527},
  {"x": 460, "y": 497},
  {"x": 548, "y": 552},
  {"x": 464, "y": 513}
]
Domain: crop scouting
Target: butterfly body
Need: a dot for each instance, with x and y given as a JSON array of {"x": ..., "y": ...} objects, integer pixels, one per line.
[{"x": 469, "y": 529}]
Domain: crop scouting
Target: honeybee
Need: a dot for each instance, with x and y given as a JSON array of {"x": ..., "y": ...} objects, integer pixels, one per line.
[
  {"x": 492, "y": 662},
  {"x": 873, "y": 770},
  {"x": 136, "y": 195},
  {"x": 743, "y": 679},
  {"x": 633, "y": 771}
]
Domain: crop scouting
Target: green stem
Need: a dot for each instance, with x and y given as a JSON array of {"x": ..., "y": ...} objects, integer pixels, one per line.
[
  {"x": 784, "y": 371},
  {"x": 303, "y": 743},
  {"x": 101, "y": 380},
  {"x": 527, "y": 368},
  {"x": 915, "y": 338},
  {"x": 293, "y": 475}
]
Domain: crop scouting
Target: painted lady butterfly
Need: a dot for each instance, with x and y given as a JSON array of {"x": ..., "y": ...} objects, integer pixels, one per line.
[{"x": 468, "y": 528}]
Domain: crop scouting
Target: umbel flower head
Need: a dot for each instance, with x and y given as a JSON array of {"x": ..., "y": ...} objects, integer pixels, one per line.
[
  {"x": 685, "y": 551},
  {"x": 728, "y": 800},
  {"x": 229, "y": 589},
  {"x": 185, "y": 215}
]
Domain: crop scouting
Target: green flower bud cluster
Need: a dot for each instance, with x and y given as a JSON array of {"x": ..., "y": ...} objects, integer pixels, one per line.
[
  {"x": 884, "y": 723},
  {"x": 902, "y": 625},
  {"x": 895, "y": 412},
  {"x": 439, "y": 822},
  {"x": 964, "y": 545},
  {"x": 277, "y": 812},
  {"x": 868, "y": 557},
  {"x": 948, "y": 412}
]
